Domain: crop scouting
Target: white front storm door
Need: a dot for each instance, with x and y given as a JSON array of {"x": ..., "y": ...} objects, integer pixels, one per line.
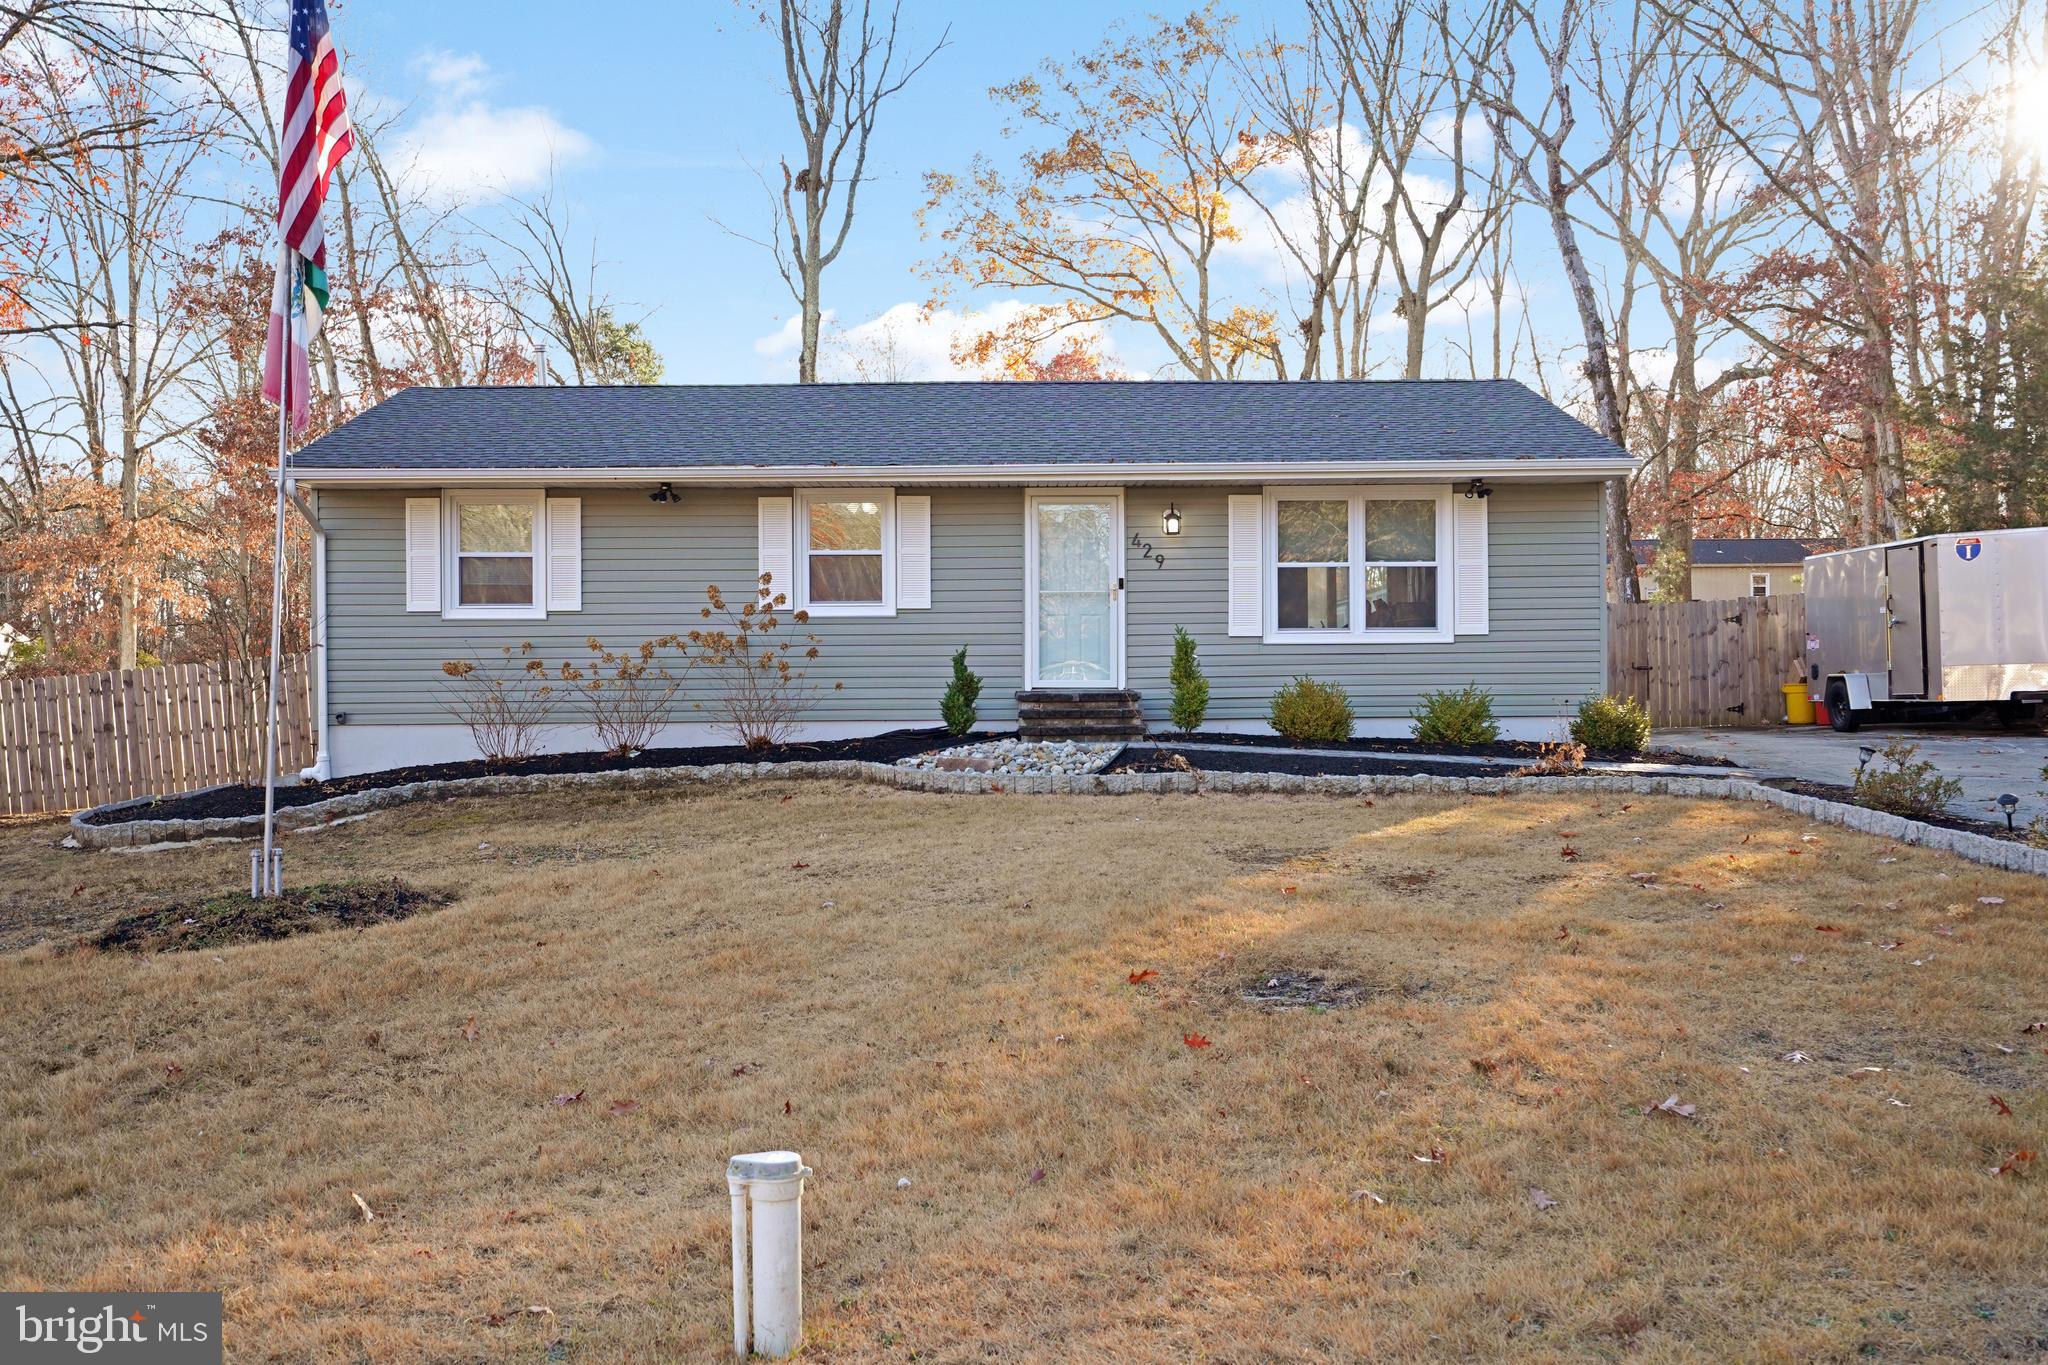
[{"x": 1073, "y": 589}]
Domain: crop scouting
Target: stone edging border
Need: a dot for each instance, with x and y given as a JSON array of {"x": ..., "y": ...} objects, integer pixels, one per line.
[{"x": 1978, "y": 848}]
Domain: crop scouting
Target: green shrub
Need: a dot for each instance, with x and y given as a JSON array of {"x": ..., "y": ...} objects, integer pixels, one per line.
[
  {"x": 1306, "y": 710},
  {"x": 1898, "y": 783},
  {"x": 1613, "y": 725},
  {"x": 1461, "y": 717},
  {"x": 956, "y": 708},
  {"x": 1190, "y": 702}
]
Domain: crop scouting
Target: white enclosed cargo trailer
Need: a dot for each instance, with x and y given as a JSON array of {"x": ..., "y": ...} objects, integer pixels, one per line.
[{"x": 1935, "y": 626}]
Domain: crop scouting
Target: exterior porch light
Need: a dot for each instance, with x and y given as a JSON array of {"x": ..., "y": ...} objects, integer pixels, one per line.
[
  {"x": 1478, "y": 489},
  {"x": 1172, "y": 520}
]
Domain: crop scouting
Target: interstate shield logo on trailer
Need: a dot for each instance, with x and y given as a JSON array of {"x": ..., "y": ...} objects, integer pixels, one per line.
[{"x": 1968, "y": 548}]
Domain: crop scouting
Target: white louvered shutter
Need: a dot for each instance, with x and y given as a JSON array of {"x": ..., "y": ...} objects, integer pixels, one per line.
[
  {"x": 1247, "y": 567},
  {"x": 776, "y": 518},
  {"x": 565, "y": 554},
  {"x": 1469, "y": 575},
  {"x": 913, "y": 552},
  {"x": 423, "y": 554}
]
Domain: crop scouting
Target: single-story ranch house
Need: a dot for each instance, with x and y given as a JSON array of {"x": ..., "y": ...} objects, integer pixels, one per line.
[{"x": 1395, "y": 537}]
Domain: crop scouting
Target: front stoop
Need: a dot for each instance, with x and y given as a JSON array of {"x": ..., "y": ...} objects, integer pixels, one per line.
[{"x": 1078, "y": 713}]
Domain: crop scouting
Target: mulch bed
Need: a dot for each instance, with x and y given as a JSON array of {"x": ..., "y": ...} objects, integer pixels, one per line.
[
  {"x": 1505, "y": 748},
  {"x": 248, "y": 799},
  {"x": 220, "y": 921},
  {"x": 1270, "y": 760},
  {"x": 1831, "y": 791}
]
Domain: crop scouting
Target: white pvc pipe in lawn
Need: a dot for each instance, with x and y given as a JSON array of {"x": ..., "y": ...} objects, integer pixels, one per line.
[{"x": 773, "y": 1183}]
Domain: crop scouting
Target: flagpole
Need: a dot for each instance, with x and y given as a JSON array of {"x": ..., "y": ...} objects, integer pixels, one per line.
[{"x": 270, "y": 882}]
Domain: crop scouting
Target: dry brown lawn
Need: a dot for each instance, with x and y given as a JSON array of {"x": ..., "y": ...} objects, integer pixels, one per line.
[{"x": 938, "y": 988}]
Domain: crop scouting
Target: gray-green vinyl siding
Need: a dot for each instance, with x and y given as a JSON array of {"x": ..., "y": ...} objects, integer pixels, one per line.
[{"x": 646, "y": 565}]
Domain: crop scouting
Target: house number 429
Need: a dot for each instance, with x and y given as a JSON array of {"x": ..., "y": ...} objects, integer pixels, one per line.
[{"x": 1145, "y": 550}]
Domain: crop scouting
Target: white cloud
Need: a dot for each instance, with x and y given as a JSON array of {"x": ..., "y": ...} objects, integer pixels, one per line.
[
  {"x": 465, "y": 147},
  {"x": 455, "y": 75},
  {"x": 906, "y": 342}
]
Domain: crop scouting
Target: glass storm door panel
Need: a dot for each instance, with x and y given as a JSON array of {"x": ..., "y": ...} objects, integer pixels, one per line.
[{"x": 1075, "y": 591}]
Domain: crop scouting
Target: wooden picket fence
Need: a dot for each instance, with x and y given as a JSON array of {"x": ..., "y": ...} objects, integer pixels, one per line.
[
  {"x": 89, "y": 738},
  {"x": 1715, "y": 663}
]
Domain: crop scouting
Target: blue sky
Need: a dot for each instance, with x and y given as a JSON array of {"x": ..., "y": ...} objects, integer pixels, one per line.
[
  {"x": 668, "y": 105},
  {"x": 657, "y": 111}
]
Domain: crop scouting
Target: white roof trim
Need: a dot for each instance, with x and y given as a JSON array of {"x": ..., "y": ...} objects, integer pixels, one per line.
[{"x": 1105, "y": 472}]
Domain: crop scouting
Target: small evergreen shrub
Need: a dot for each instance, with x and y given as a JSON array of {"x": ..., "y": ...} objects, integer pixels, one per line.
[
  {"x": 1461, "y": 717},
  {"x": 1614, "y": 725},
  {"x": 1190, "y": 702},
  {"x": 1899, "y": 784},
  {"x": 956, "y": 708},
  {"x": 1306, "y": 710}
]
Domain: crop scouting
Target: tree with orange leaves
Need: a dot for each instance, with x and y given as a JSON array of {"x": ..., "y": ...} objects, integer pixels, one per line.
[{"x": 1117, "y": 213}]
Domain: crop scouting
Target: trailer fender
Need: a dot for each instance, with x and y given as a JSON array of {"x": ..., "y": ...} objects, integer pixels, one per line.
[{"x": 1859, "y": 690}]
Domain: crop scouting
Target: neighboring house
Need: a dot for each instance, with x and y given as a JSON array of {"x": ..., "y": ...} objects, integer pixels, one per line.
[
  {"x": 1742, "y": 566},
  {"x": 1394, "y": 537}
]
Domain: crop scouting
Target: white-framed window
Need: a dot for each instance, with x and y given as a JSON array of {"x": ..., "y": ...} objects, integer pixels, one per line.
[
  {"x": 1358, "y": 563},
  {"x": 845, "y": 541},
  {"x": 1759, "y": 585},
  {"x": 495, "y": 544}
]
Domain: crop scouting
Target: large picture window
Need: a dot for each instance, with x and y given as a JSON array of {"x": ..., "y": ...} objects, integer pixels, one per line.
[
  {"x": 494, "y": 551},
  {"x": 845, "y": 539},
  {"x": 1357, "y": 564}
]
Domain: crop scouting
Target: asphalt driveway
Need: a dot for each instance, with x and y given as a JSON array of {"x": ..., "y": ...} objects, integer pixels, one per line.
[{"x": 1989, "y": 761}]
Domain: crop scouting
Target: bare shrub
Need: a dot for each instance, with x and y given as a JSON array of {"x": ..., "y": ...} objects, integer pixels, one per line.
[
  {"x": 629, "y": 693},
  {"x": 505, "y": 706},
  {"x": 757, "y": 658}
]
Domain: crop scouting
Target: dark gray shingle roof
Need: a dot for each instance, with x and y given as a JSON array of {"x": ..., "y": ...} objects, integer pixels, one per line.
[
  {"x": 908, "y": 425},
  {"x": 1749, "y": 550}
]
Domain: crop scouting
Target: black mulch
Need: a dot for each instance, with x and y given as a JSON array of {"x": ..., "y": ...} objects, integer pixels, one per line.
[
  {"x": 248, "y": 800},
  {"x": 1505, "y": 748},
  {"x": 1171, "y": 760},
  {"x": 234, "y": 918},
  {"x": 1831, "y": 791}
]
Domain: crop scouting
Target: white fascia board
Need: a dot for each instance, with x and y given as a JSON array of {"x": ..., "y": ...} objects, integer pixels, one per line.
[{"x": 904, "y": 475}]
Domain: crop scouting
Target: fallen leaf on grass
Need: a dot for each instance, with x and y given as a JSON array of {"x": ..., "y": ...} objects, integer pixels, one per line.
[
  {"x": 1357, "y": 1195},
  {"x": 1140, "y": 978},
  {"x": 1540, "y": 1199},
  {"x": 1038, "y": 1176},
  {"x": 1485, "y": 1066},
  {"x": 1827, "y": 928},
  {"x": 567, "y": 1099},
  {"x": 1888, "y": 945},
  {"x": 746, "y": 1068},
  {"x": 173, "y": 1069},
  {"x": 469, "y": 1029},
  {"x": 1795, "y": 1057},
  {"x": 1286, "y": 890},
  {"x": 1564, "y": 931},
  {"x": 621, "y": 1108},
  {"x": 1436, "y": 1156},
  {"x": 363, "y": 1204},
  {"x": 2038, "y": 1026},
  {"x": 1643, "y": 878},
  {"x": 1867, "y": 1071},
  {"x": 2014, "y": 1164},
  {"x": 1991, "y": 900},
  {"x": 1568, "y": 853},
  {"x": 2008, "y": 1051},
  {"x": 1194, "y": 1039},
  {"x": 798, "y": 867},
  {"x": 1673, "y": 1107},
  {"x": 787, "y": 1109},
  {"x": 2000, "y": 1107}
]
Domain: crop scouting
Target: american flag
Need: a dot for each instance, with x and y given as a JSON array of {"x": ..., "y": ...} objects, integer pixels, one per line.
[{"x": 316, "y": 138}]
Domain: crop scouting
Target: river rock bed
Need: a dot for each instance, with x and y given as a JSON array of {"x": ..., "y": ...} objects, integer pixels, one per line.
[{"x": 1017, "y": 756}]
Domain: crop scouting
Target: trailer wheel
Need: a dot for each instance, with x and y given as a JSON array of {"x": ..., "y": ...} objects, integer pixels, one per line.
[{"x": 1840, "y": 718}]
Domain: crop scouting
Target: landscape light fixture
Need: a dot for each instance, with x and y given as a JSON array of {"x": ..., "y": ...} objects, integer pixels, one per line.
[
  {"x": 1172, "y": 520},
  {"x": 665, "y": 493},
  {"x": 1867, "y": 753},
  {"x": 2008, "y": 803}
]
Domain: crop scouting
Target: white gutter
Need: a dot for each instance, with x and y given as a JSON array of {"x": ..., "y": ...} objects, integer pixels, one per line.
[{"x": 1104, "y": 472}]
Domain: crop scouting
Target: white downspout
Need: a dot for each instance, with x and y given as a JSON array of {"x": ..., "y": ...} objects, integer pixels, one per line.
[{"x": 322, "y": 768}]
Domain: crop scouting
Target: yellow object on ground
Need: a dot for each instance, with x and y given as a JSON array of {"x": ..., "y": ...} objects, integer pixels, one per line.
[{"x": 1798, "y": 705}]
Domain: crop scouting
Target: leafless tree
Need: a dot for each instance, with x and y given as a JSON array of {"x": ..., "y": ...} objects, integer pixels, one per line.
[{"x": 839, "y": 66}]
